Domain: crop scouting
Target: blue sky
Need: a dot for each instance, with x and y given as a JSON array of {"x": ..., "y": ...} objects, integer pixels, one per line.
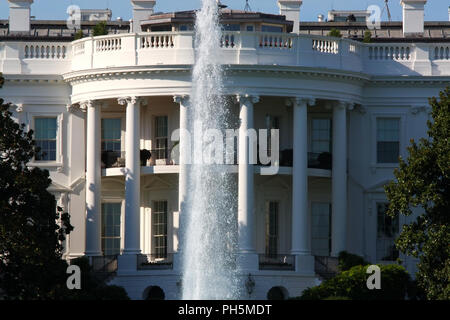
[{"x": 436, "y": 10}]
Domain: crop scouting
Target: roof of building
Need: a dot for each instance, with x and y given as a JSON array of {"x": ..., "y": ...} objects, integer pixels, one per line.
[{"x": 389, "y": 32}]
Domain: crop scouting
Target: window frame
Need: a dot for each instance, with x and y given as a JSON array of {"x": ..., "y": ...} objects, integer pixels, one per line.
[
  {"x": 122, "y": 224},
  {"x": 59, "y": 162},
  {"x": 373, "y": 137},
  {"x": 155, "y": 138},
  {"x": 152, "y": 228},
  {"x": 377, "y": 141},
  {"x": 310, "y": 130},
  {"x": 384, "y": 238}
]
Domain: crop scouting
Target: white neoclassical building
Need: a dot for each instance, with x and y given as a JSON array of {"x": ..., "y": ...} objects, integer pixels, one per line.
[{"x": 103, "y": 110}]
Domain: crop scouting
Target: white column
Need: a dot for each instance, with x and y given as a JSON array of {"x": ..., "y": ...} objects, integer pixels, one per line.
[
  {"x": 300, "y": 243},
  {"x": 246, "y": 211},
  {"x": 184, "y": 147},
  {"x": 132, "y": 176},
  {"x": 93, "y": 179},
  {"x": 339, "y": 179},
  {"x": 300, "y": 246}
]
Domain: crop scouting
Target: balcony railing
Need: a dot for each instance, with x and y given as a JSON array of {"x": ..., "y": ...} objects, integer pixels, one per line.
[
  {"x": 248, "y": 48},
  {"x": 277, "y": 262},
  {"x": 154, "y": 261},
  {"x": 116, "y": 159}
]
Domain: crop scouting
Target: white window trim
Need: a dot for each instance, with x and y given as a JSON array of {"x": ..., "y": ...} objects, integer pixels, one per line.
[
  {"x": 59, "y": 162},
  {"x": 122, "y": 218},
  {"x": 373, "y": 138},
  {"x": 310, "y": 129},
  {"x": 122, "y": 118},
  {"x": 168, "y": 235}
]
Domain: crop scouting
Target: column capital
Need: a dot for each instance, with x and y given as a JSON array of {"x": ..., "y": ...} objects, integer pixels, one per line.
[
  {"x": 128, "y": 100},
  {"x": 183, "y": 99},
  {"x": 297, "y": 101},
  {"x": 243, "y": 98},
  {"x": 84, "y": 105},
  {"x": 344, "y": 104}
]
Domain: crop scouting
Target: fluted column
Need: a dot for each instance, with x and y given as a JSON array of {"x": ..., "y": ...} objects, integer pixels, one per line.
[
  {"x": 300, "y": 246},
  {"x": 339, "y": 179},
  {"x": 300, "y": 241},
  {"x": 93, "y": 179},
  {"x": 132, "y": 176},
  {"x": 184, "y": 161},
  {"x": 246, "y": 210}
]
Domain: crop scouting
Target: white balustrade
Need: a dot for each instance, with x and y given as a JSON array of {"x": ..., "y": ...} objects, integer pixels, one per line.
[
  {"x": 45, "y": 51},
  {"x": 237, "y": 48},
  {"x": 325, "y": 46},
  {"x": 275, "y": 41},
  {"x": 156, "y": 41},
  {"x": 390, "y": 52},
  {"x": 441, "y": 52},
  {"x": 108, "y": 44}
]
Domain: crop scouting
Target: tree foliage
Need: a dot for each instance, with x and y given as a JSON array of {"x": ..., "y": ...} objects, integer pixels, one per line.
[
  {"x": 352, "y": 285},
  {"x": 335, "y": 33},
  {"x": 100, "y": 29},
  {"x": 423, "y": 182},
  {"x": 32, "y": 227},
  {"x": 30, "y": 237}
]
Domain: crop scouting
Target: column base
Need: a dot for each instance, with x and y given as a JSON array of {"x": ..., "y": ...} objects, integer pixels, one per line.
[
  {"x": 127, "y": 263},
  {"x": 304, "y": 264},
  {"x": 247, "y": 261}
]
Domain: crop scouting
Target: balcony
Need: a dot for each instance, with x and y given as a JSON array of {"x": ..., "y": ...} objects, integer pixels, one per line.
[
  {"x": 237, "y": 48},
  {"x": 154, "y": 261},
  {"x": 280, "y": 262}
]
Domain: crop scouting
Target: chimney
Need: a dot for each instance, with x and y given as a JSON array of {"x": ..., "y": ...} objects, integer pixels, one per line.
[
  {"x": 291, "y": 9},
  {"x": 320, "y": 18},
  {"x": 413, "y": 17},
  {"x": 19, "y": 16},
  {"x": 142, "y": 10}
]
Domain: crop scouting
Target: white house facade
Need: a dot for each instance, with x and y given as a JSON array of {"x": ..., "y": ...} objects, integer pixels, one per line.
[{"x": 103, "y": 110}]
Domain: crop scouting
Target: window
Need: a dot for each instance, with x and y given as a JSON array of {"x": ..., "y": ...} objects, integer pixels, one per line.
[
  {"x": 250, "y": 28},
  {"x": 272, "y": 228},
  {"x": 159, "y": 229},
  {"x": 321, "y": 228},
  {"x": 45, "y": 137},
  {"x": 161, "y": 133},
  {"x": 112, "y": 143},
  {"x": 231, "y": 27},
  {"x": 388, "y": 142},
  {"x": 111, "y": 134},
  {"x": 320, "y": 135},
  {"x": 111, "y": 213},
  {"x": 266, "y": 28},
  {"x": 387, "y": 231}
]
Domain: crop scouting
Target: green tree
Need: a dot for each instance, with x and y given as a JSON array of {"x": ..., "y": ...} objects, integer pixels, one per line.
[
  {"x": 423, "y": 182},
  {"x": 100, "y": 29},
  {"x": 367, "y": 36},
  {"x": 335, "y": 33},
  {"x": 32, "y": 227},
  {"x": 30, "y": 236},
  {"x": 79, "y": 35}
]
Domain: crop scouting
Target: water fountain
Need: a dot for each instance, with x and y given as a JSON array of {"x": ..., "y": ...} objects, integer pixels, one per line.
[{"x": 209, "y": 241}]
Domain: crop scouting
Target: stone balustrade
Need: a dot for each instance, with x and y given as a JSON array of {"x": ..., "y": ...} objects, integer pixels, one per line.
[{"x": 239, "y": 48}]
